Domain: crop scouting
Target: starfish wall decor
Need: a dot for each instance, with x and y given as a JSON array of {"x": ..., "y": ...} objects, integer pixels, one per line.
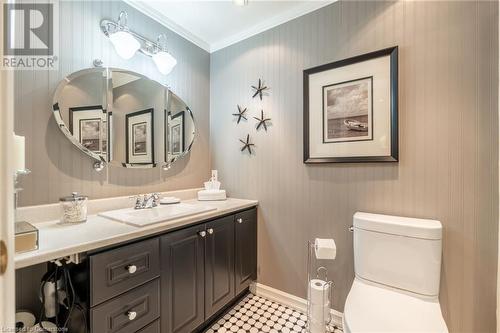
[
  {"x": 262, "y": 121},
  {"x": 259, "y": 89},
  {"x": 247, "y": 145},
  {"x": 240, "y": 114}
]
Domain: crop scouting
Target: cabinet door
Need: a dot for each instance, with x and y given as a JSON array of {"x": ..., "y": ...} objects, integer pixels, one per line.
[
  {"x": 182, "y": 280},
  {"x": 246, "y": 248},
  {"x": 219, "y": 265}
]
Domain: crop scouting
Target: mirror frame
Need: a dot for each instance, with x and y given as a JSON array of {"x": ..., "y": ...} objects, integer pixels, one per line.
[{"x": 167, "y": 161}]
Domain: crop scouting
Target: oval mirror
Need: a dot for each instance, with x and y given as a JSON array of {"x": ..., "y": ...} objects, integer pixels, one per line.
[
  {"x": 80, "y": 111},
  {"x": 179, "y": 129},
  {"x": 124, "y": 118}
]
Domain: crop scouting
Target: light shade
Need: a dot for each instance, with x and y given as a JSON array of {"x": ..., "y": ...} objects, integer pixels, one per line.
[
  {"x": 240, "y": 2},
  {"x": 164, "y": 61},
  {"x": 125, "y": 44}
]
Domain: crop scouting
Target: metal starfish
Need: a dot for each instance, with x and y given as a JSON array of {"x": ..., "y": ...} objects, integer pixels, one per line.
[
  {"x": 262, "y": 120},
  {"x": 240, "y": 114},
  {"x": 259, "y": 89},
  {"x": 247, "y": 145}
]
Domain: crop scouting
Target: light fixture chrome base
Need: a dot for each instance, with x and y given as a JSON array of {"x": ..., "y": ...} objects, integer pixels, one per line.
[
  {"x": 148, "y": 47},
  {"x": 99, "y": 166},
  {"x": 97, "y": 63}
]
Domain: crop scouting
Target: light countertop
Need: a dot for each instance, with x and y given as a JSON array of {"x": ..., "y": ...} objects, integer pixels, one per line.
[{"x": 57, "y": 241}]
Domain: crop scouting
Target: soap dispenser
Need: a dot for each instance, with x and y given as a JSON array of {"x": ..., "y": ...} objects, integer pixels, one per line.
[{"x": 212, "y": 191}]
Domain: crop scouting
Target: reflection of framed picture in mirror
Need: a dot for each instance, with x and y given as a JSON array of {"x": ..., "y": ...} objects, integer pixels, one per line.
[
  {"x": 139, "y": 136},
  {"x": 86, "y": 125},
  {"x": 90, "y": 134},
  {"x": 139, "y": 132},
  {"x": 109, "y": 137},
  {"x": 177, "y": 133}
]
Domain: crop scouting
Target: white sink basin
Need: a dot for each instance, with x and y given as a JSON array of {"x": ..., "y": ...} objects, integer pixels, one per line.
[{"x": 162, "y": 213}]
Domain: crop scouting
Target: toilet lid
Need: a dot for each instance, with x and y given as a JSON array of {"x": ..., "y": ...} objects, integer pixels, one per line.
[{"x": 372, "y": 308}]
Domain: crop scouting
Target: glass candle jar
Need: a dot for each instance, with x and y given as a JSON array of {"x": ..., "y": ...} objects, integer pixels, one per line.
[{"x": 74, "y": 208}]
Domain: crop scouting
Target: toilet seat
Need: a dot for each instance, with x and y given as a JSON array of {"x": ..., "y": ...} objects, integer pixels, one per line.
[{"x": 375, "y": 308}]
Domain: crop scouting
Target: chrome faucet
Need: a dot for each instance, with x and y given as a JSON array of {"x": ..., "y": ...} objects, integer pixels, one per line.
[{"x": 146, "y": 200}]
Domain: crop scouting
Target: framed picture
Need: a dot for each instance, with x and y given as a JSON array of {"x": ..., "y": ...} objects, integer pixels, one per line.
[
  {"x": 90, "y": 134},
  {"x": 177, "y": 133},
  {"x": 109, "y": 137},
  {"x": 139, "y": 137},
  {"x": 87, "y": 125},
  {"x": 351, "y": 109}
]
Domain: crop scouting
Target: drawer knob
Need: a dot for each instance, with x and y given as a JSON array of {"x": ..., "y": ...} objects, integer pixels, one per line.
[
  {"x": 239, "y": 220},
  {"x": 202, "y": 233},
  {"x": 131, "y": 315},
  {"x": 132, "y": 269},
  {"x": 210, "y": 231}
]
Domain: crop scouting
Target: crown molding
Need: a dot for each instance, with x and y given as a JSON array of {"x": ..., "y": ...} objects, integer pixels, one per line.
[
  {"x": 286, "y": 16},
  {"x": 139, "y": 5},
  {"x": 273, "y": 22}
]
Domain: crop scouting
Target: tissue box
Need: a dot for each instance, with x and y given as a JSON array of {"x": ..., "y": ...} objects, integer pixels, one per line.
[
  {"x": 211, "y": 195},
  {"x": 325, "y": 248},
  {"x": 26, "y": 237}
]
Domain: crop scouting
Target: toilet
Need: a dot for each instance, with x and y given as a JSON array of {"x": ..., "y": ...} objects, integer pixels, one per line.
[{"x": 397, "y": 265}]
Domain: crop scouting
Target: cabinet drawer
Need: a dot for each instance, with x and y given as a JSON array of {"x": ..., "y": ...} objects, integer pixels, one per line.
[
  {"x": 119, "y": 270},
  {"x": 151, "y": 328},
  {"x": 128, "y": 312}
]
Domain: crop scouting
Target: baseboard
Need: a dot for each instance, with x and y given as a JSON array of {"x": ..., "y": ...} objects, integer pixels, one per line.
[{"x": 289, "y": 300}]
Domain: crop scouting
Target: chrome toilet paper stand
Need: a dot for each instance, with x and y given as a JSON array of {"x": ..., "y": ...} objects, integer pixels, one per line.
[{"x": 316, "y": 271}]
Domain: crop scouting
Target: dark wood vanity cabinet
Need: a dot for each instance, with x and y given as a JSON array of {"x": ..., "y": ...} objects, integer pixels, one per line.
[
  {"x": 219, "y": 264},
  {"x": 204, "y": 268},
  {"x": 172, "y": 283},
  {"x": 183, "y": 280},
  {"x": 246, "y": 249}
]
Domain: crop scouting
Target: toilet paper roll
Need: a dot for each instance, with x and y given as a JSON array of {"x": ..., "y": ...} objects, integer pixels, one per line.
[
  {"x": 24, "y": 320},
  {"x": 316, "y": 327},
  {"x": 319, "y": 305},
  {"x": 319, "y": 291},
  {"x": 325, "y": 248},
  {"x": 320, "y": 313}
]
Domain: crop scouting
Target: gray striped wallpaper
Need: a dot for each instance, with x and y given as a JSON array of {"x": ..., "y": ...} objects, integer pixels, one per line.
[
  {"x": 448, "y": 167},
  {"x": 57, "y": 167}
]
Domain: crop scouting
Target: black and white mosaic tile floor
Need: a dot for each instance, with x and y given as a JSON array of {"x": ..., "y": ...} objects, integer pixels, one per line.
[{"x": 254, "y": 314}]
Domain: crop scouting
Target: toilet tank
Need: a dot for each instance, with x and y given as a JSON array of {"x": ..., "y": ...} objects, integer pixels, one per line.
[{"x": 399, "y": 252}]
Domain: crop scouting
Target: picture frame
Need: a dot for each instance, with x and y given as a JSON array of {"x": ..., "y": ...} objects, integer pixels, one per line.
[
  {"x": 351, "y": 109},
  {"x": 109, "y": 122},
  {"x": 139, "y": 137},
  {"x": 176, "y": 134},
  {"x": 87, "y": 125}
]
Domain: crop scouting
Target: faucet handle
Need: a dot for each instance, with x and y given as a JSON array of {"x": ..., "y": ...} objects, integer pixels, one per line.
[
  {"x": 138, "y": 201},
  {"x": 156, "y": 198}
]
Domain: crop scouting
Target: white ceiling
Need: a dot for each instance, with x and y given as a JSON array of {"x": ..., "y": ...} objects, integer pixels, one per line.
[{"x": 213, "y": 25}]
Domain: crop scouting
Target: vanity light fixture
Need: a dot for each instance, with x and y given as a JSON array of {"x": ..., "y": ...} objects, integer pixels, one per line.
[
  {"x": 240, "y": 2},
  {"x": 127, "y": 43},
  {"x": 163, "y": 60}
]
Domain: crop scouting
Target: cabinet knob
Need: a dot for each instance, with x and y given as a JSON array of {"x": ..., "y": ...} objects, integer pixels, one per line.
[
  {"x": 131, "y": 269},
  {"x": 202, "y": 233},
  {"x": 131, "y": 315},
  {"x": 210, "y": 231},
  {"x": 239, "y": 220}
]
